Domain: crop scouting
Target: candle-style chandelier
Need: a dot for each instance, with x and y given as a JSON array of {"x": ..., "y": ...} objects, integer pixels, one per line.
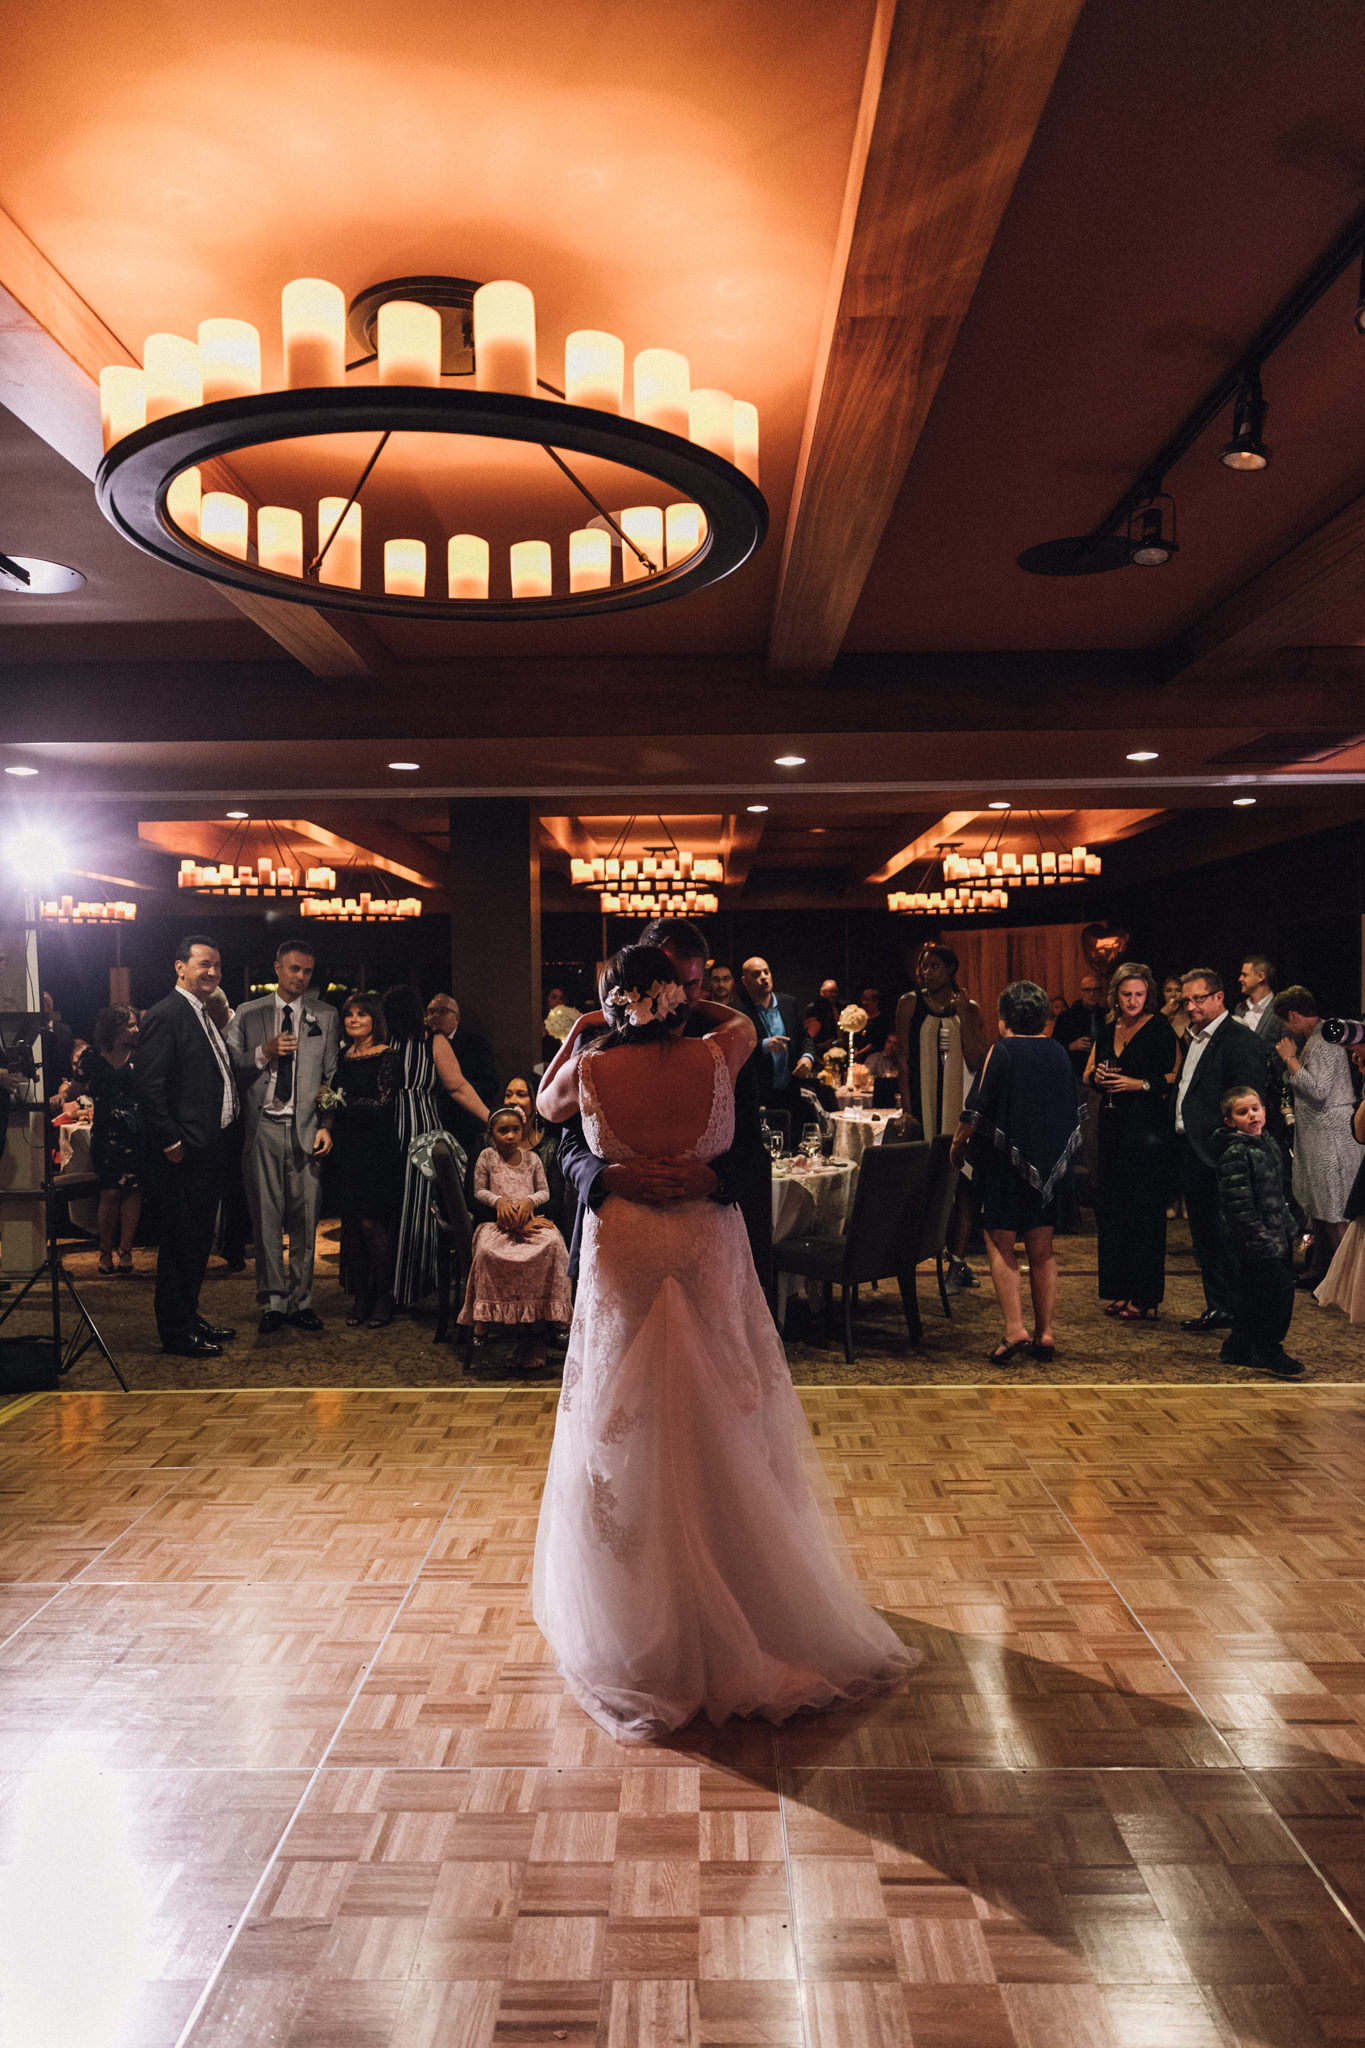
[
  {"x": 75, "y": 910},
  {"x": 982, "y": 882},
  {"x": 283, "y": 874},
  {"x": 453, "y": 358},
  {"x": 662, "y": 880}
]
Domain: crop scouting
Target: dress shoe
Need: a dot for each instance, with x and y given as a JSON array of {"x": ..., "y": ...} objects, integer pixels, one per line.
[
  {"x": 1280, "y": 1367},
  {"x": 214, "y": 1335},
  {"x": 304, "y": 1319},
  {"x": 273, "y": 1319},
  {"x": 1212, "y": 1319},
  {"x": 1233, "y": 1354},
  {"x": 196, "y": 1345}
]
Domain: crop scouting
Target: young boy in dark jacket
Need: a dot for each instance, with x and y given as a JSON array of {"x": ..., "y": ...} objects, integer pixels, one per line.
[{"x": 1254, "y": 1219}]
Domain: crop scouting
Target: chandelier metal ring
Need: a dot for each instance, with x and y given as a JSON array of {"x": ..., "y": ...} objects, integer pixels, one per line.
[{"x": 136, "y": 474}]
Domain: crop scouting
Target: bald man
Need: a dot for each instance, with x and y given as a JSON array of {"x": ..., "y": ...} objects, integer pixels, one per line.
[{"x": 782, "y": 1064}]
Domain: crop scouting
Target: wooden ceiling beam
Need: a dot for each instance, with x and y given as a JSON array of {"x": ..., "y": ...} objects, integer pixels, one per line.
[
  {"x": 952, "y": 94},
  {"x": 741, "y": 837},
  {"x": 1279, "y": 607},
  {"x": 52, "y": 349}
]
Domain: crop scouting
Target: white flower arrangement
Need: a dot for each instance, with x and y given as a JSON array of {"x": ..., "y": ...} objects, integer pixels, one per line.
[
  {"x": 659, "y": 1000},
  {"x": 853, "y": 1017},
  {"x": 331, "y": 1098}
]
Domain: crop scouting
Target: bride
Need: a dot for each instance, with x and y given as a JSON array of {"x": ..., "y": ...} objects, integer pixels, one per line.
[{"x": 688, "y": 1557}]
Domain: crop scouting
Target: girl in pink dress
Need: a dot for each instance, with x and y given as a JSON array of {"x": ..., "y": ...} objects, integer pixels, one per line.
[{"x": 520, "y": 1269}]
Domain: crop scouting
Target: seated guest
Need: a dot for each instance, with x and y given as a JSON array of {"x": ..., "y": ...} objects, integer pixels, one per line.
[
  {"x": 1325, "y": 1154},
  {"x": 873, "y": 1037},
  {"x": 829, "y": 993},
  {"x": 817, "y": 1030},
  {"x": 542, "y": 1139},
  {"x": 116, "y": 1143},
  {"x": 520, "y": 1269},
  {"x": 783, "y": 1062},
  {"x": 1058, "y": 1006}
]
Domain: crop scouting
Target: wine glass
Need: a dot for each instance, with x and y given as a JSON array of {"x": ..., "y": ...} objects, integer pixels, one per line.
[
  {"x": 772, "y": 1138},
  {"x": 810, "y": 1141}
]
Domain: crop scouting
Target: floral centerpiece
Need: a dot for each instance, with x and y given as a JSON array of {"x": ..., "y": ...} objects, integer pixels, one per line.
[{"x": 852, "y": 1020}]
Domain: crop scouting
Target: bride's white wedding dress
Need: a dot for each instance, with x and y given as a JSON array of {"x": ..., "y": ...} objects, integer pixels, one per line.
[{"x": 688, "y": 1556}]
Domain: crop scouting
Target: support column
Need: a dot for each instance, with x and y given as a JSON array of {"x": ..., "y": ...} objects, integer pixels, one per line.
[{"x": 495, "y": 925}]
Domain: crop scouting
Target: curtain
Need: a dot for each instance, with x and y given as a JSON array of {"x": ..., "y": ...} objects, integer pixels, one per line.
[{"x": 988, "y": 961}]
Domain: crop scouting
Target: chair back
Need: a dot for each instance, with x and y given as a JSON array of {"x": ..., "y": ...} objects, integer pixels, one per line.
[
  {"x": 893, "y": 1185},
  {"x": 450, "y": 1203},
  {"x": 926, "y": 1232}
]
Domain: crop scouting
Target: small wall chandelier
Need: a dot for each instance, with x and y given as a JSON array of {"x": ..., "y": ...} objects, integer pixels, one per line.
[
  {"x": 172, "y": 428},
  {"x": 976, "y": 882},
  {"x": 75, "y": 910}
]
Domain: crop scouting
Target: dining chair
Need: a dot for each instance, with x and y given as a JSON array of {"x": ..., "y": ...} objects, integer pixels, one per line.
[{"x": 890, "y": 1206}]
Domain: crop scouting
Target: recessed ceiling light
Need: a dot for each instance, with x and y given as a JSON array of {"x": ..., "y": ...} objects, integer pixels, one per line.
[
  {"x": 998, "y": 804},
  {"x": 28, "y": 576},
  {"x": 1240, "y": 800},
  {"x": 817, "y": 828},
  {"x": 1143, "y": 754},
  {"x": 405, "y": 764},
  {"x": 239, "y": 814},
  {"x": 755, "y": 807},
  {"x": 18, "y": 770},
  {"x": 790, "y": 761}
]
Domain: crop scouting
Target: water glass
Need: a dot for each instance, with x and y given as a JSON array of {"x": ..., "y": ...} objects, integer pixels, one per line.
[{"x": 810, "y": 1140}]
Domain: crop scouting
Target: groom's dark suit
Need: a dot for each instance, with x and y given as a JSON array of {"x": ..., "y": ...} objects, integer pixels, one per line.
[{"x": 744, "y": 1172}]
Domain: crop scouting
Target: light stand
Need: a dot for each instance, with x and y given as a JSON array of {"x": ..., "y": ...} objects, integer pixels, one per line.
[{"x": 50, "y": 1277}]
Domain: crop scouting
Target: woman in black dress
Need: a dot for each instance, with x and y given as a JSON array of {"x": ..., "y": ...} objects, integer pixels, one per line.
[
  {"x": 1022, "y": 1120},
  {"x": 1133, "y": 1067},
  {"x": 116, "y": 1143},
  {"x": 368, "y": 1170}
]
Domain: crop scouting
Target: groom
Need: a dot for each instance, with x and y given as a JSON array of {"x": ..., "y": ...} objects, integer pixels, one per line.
[{"x": 742, "y": 1175}]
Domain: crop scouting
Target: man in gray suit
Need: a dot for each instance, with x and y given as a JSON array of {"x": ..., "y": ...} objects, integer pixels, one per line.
[{"x": 284, "y": 1048}]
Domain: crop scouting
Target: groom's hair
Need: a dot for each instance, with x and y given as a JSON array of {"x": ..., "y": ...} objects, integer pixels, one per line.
[{"x": 683, "y": 938}]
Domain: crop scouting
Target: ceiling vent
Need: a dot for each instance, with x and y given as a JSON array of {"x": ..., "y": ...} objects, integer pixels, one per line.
[{"x": 1289, "y": 749}]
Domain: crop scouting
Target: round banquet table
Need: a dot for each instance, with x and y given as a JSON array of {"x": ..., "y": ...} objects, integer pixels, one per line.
[
  {"x": 853, "y": 1134},
  {"x": 809, "y": 1204}
]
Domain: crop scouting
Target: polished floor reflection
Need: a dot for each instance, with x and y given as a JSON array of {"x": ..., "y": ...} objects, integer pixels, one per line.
[{"x": 283, "y": 1758}]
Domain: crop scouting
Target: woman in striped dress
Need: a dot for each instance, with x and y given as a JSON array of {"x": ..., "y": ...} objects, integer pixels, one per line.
[{"x": 428, "y": 1068}]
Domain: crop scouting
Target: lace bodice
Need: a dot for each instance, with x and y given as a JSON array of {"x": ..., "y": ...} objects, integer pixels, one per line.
[{"x": 716, "y": 1138}]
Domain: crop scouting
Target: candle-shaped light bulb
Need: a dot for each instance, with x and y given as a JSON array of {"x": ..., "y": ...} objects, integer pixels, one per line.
[
  {"x": 123, "y": 403},
  {"x": 594, "y": 369},
  {"x": 184, "y": 497},
  {"x": 229, "y": 359},
  {"x": 467, "y": 566},
  {"x": 405, "y": 568},
  {"x": 662, "y": 380},
  {"x": 530, "y": 561},
  {"x": 279, "y": 540},
  {"x": 746, "y": 438},
  {"x": 711, "y": 422},
  {"x": 222, "y": 523},
  {"x": 409, "y": 343},
  {"x": 644, "y": 526},
  {"x": 170, "y": 369},
  {"x": 505, "y": 338},
  {"x": 341, "y": 563},
  {"x": 684, "y": 530},
  {"x": 313, "y": 316},
  {"x": 589, "y": 559}
]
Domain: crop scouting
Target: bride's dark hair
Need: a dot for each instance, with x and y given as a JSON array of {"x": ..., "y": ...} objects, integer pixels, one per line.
[{"x": 635, "y": 969}]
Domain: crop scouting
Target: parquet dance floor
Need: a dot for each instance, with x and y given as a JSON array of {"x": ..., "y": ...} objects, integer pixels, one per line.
[{"x": 284, "y": 1760}]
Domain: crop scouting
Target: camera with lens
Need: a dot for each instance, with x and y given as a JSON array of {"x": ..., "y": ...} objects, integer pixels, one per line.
[{"x": 1343, "y": 1030}]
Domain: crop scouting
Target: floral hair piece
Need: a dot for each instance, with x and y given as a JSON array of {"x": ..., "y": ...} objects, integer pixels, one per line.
[{"x": 660, "y": 1000}]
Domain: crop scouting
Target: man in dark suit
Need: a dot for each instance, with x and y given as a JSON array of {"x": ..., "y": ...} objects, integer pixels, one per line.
[
  {"x": 743, "y": 1175},
  {"x": 1220, "y": 1054},
  {"x": 190, "y": 1109},
  {"x": 783, "y": 1062}
]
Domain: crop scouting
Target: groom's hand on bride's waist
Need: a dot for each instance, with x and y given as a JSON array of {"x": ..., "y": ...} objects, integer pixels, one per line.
[{"x": 659, "y": 1181}]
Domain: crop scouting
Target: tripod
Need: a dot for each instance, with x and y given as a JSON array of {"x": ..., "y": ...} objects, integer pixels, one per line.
[{"x": 52, "y": 1276}]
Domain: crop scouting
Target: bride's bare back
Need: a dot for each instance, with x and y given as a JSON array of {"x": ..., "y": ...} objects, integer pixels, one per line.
[{"x": 657, "y": 1098}]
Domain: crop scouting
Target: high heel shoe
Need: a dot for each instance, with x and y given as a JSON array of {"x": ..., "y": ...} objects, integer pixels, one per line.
[
  {"x": 361, "y": 1309},
  {"x": 1005, "y": 1354},
  {"x": 381, "y": 1315}
]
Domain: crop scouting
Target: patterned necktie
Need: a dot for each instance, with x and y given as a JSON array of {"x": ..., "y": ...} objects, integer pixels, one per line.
[{"x": 284, "y": 1072}]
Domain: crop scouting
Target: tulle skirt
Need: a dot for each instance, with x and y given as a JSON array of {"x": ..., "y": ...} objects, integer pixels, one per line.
[
  {"x": 1343, "y": 1285},
  {"x": 688, "y": 1558}
]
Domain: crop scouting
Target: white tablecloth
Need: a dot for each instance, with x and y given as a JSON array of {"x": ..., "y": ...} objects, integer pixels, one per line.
[
  {"x": 853, "y": 1134},
  {"x": 813, "y": 1204}
]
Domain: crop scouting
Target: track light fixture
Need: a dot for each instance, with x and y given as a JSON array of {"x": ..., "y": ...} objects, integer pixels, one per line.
[
  {"x": 1247, "y": 449},
  {"x": 1149, "y": 544}
]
